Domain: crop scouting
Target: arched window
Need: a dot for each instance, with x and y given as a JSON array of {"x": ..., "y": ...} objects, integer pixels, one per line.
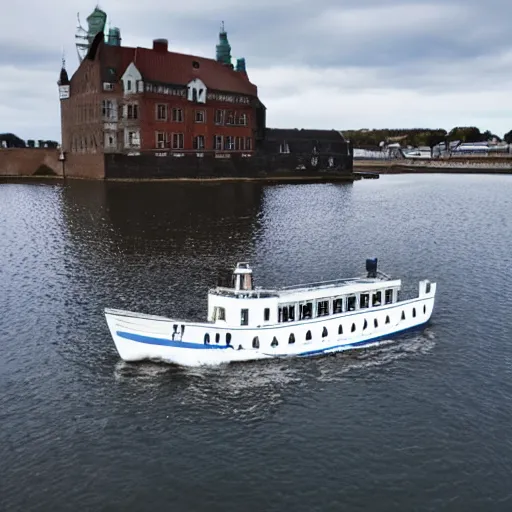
[
  {"x": 255, "y": 342},
  {"x": 324, "y": 332},
  {"x": 291, "y": 339},
  {"x": 206, "y": 339},
  {"x": 274, "y": 342},
  {"x": 308, "y": 335},
  {"x": 340, "y": 329}
]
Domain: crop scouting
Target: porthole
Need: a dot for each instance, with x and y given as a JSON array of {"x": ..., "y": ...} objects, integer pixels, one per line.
[
  {"x": 424, "y": 310},
  {"x": 414, "y": 312},
  {"x": 274, "y": 342},
  {"x": 353, "y": 328},
  {"x": 217, "y": 338},
  {"x": 403, "y": 315},
  {"x": 228, "y": 338},
  {"x": 375, "y": 323},
  {"x": 255, "y": 342},
  {"x": 365, "y": 325},
  {"x": 340, "y": 329},
  {"x": 206, "y": 339},
  {"x": 324, "y": 332},
  {"x": 291, "y": 339},
  {"x": 195, "y": 64},
  {"x": 308, "y": 335},
  {"x": 387, "y": 319}
]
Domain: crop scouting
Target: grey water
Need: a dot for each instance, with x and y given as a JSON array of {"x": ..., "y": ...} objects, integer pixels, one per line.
[{"x": 423, "y": 422}]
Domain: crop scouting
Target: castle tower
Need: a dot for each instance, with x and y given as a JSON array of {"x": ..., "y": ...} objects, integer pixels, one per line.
[
  {"x": 96, "y": 23},
  {"x": 224, "y": 48}
]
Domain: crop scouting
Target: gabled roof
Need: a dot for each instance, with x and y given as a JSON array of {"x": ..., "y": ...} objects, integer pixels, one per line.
[{"x": 173, "y": 68}]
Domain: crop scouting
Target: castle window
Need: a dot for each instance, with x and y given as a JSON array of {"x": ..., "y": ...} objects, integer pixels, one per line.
[
  {"x": 200, "y": 116},
  {"x": 177, "y": 141},
  {"x": 219, "y": 117},
  {"x": 199, "y": 142},
  {"x": 229, "y": 143},
  {"x": 248, "y": 144},
  {"x": 161, "y": 140},
  {"x": 177, "y": 115},
  {"x": 242, "y": 120},
  {"x": 230, "y": 119},
  {"x": 161, "y": 112},
  {"x": 194, "y": 94},
  {"x": 217, "y": 142},
  {"x": 284, "y": 148},
  {"x": 239, "y": 144},
  {"x": 132, "y": 111},
  {"x": 107, "y": 109}
]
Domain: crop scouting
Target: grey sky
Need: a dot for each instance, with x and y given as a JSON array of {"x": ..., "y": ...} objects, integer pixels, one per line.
[{"x": 319, "y": 64}]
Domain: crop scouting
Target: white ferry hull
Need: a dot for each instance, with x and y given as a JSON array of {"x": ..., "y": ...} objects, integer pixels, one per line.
[{"x": 143, "y": 337}]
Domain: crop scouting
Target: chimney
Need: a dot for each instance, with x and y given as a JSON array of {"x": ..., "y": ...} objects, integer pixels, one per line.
[{"x": 160, "y": 45}]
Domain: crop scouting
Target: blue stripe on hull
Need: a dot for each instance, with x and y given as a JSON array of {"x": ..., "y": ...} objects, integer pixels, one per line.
[
  {"x": 199, "y": 346},
  {"x": 168, "y": 343}
]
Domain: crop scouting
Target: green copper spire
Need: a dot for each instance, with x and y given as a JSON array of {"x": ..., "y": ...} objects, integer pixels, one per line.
[{"x": 223, "y": 48}]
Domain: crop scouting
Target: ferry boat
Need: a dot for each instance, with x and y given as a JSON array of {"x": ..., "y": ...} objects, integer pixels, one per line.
[{"x": 249, "y": 323}]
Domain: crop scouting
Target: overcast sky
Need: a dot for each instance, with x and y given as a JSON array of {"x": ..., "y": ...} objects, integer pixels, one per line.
[{"x": 343, "y": 64}]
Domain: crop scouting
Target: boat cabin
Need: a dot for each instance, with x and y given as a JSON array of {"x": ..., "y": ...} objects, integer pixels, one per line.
[{"x": 246, "y": 306}]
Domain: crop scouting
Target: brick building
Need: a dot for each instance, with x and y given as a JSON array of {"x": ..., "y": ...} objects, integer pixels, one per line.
[{"x": 150, "y": 112}]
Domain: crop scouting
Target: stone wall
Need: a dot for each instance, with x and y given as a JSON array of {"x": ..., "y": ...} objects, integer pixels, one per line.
[
  {"x": 30, "y": 162},
  {"x": 85, "y": 165},
  {"x": 233, "y": 166}
]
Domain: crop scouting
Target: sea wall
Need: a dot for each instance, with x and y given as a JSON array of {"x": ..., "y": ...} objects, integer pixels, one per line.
[{"x": 30, "y": 162}]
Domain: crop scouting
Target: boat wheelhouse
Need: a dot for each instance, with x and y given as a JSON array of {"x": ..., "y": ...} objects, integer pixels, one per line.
[{"x": 247, "y": 323}]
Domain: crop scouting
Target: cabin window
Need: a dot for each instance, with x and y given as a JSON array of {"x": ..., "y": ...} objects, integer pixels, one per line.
[
  {"x": 403, "y": 315},
  {"x": 364, "y": 300},
  {"x": 353, "y": 328},
  {"x": 387, "y": 319},
  {"x": 228, "y": 338},
  {"x": 375, "y": 323},
  {"x": 324, "y": 332},
  {"x": 337, "y": 306},
  {"x": 266, "y": 314},
  {"x": 365, "y": 325},
  {"x": 388, "y": 296},
  {"x": 377, "y": 299},
  {"x": 308, "y": 335},
  {"x": 351, "y": 303},
  {"x": 220, "y": 313},
  {"x": 322, "y": 308},
  {"x": 291, "y": 339},
  {"x": 217, "y": 338},
  {"x": 274, "y": 342},
  {"x": 255, "y": 342},
  {"x": 427, "y": 288},
  {"x": 414, "y": 312},
  {"x": 206, "y": 339},
  {"x": 340, "y": 329},
  {"x": 424, "y": 310},
  {"x": 305, "y": 311},
  {"x": 287, "y": 314},
  {"x": 244, "y": 317}
]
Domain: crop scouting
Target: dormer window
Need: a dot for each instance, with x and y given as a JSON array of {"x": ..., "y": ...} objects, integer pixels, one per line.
[{"x": 128, "y": 85}]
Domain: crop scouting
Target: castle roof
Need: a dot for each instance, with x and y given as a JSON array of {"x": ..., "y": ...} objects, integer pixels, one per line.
[{"x": 161, "y": 66}]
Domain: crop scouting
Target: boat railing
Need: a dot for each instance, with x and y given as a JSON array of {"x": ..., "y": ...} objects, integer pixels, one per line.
[{"x": 334, "y": 282}]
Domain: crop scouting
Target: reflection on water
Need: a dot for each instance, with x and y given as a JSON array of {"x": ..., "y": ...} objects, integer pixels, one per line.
[{"x": 402, "y": 421}]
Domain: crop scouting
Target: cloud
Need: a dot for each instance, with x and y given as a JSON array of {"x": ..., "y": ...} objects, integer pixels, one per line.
[{"x": 324, "y": 64}]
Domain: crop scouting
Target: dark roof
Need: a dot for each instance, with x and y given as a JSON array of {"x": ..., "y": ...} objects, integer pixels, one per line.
[
  {"x": 294, "y": 134},
  {"x": 173, "y": 68}
]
